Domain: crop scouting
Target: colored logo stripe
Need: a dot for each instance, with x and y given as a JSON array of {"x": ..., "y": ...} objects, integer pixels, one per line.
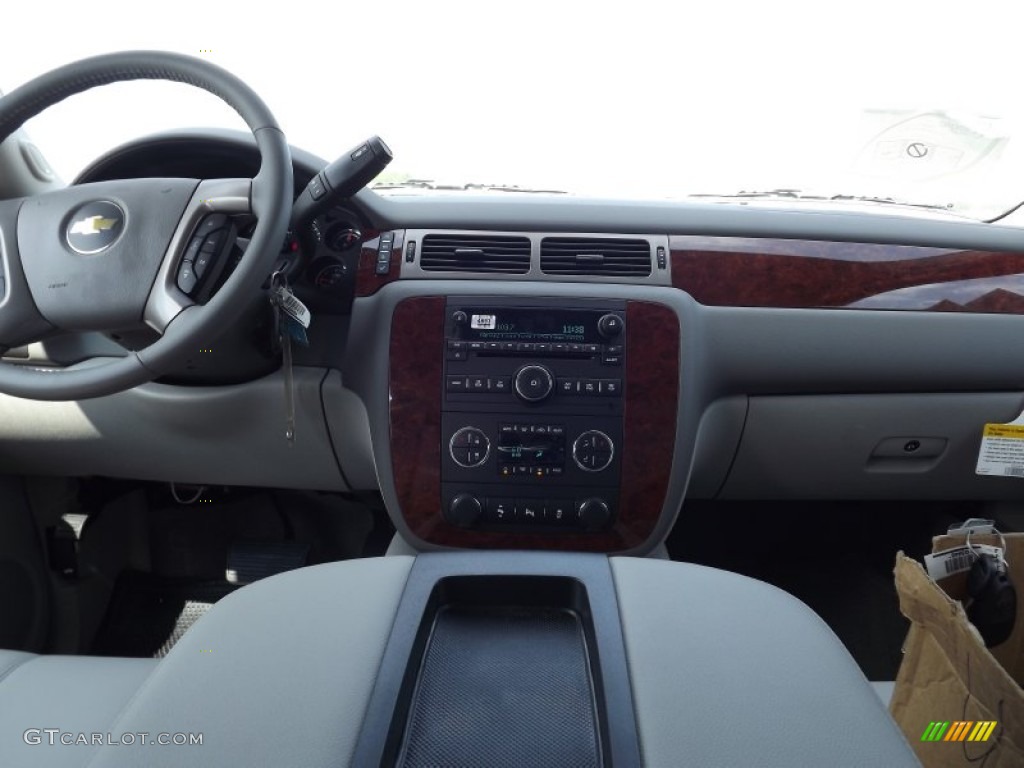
[{"x": 959, "y": 730}]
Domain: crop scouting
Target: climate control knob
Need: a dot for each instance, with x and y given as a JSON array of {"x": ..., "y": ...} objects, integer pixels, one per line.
[
  {"x": 593, "y": 514},
  {"x": 533, "y": 383},
  {"x": 593, "y": 451},
  {"x": 464, "y": 510},
  {"x": 469, "y": 447}
]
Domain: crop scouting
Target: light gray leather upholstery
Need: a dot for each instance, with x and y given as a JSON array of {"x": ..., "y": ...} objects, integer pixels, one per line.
[
  {"x": 725, "y": 671},
  {"x": 70, "y": 693},
  {"x": 277, "y": 674},
  {"x": 728, "y": 671}
]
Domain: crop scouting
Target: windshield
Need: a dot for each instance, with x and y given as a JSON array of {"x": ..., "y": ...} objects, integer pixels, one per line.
[{"x": 909, "y": 102}]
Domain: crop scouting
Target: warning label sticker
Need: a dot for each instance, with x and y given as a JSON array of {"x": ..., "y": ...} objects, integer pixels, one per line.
[{"x": 1002, "y": 450}]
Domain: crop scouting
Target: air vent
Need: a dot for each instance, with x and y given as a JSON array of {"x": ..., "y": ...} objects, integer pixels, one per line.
[
  {"x": 472, "y": 253},
  {"x": 605, "y": 256}
]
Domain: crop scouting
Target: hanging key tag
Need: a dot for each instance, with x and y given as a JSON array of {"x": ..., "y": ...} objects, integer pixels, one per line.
[
  {"x": 289, "y": 388},
  {"x": 290, "y": 305},
  {"x": 283, "y": 318}
]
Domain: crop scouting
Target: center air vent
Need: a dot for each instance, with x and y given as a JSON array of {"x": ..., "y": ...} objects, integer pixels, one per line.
[
  {"x": 606, "y": 256},
  {"x": 472, "y": 253}
]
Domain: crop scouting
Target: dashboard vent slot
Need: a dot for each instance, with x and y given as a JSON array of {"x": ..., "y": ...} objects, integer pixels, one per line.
[
  {"x": 604, "y": 256},
  {"x": 475, "y": 253}
]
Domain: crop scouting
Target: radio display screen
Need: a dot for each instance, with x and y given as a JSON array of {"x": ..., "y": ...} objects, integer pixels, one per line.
[{"x": 568, "y": 326}]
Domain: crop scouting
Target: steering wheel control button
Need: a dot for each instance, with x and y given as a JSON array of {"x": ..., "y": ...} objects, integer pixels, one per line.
[
  {"x": 610, "y": 326},
  {"x": 533, "y": 383},
  {"x": 211, "y": 223},
  {"x": 593, "y": 451},
  {"x": 187, "y": 279},
  {"x": 469, "y": 447},
  {"x": 202, "y": 263},
  {"x": 464, "y": 510},
  {"x": 94, "y": 227},
  {"x": 193, "y": 249}
]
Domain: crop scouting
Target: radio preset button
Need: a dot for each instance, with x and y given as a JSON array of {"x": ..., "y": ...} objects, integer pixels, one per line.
[
  {"x": 499, "y": 384},
  {"x": 610, "y": 387},
  {"x": 456, "y": 384}
]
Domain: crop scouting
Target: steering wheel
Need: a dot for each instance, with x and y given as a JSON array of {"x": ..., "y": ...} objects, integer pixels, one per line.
[{"x": 105, "y": 256}]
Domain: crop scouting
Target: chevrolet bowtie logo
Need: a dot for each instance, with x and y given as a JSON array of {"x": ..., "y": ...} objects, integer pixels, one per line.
[{"x": 92, "y": 225}]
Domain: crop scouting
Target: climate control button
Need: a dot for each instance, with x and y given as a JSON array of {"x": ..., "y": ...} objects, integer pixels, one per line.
[
  {"x": 533, "y": 383},
  {"x": 593, "y": 451},
  {"x": 469, "y": 447}
]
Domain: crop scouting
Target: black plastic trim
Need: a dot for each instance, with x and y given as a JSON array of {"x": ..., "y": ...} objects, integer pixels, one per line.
[{"x": 378, "y": 742}]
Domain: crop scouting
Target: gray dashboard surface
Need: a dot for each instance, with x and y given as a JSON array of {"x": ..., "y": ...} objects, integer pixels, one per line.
[
  {"x": 683, "y": 217},
  {"x": 213, "y": 435}
]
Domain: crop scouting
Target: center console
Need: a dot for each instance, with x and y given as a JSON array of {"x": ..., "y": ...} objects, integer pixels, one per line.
[
  {"x": 532, "y": 415},
  {"x": 525, "y": 422}
]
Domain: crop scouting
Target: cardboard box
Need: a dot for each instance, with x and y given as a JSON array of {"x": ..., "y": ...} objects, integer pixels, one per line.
[{"x": 951, "y": 688}]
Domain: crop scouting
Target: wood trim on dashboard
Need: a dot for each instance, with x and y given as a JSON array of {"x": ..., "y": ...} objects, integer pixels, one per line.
[
  {"x": 368, "y": 282},
  {"x": 650, "y": 409},
  {"x": 766, "y": 272}
]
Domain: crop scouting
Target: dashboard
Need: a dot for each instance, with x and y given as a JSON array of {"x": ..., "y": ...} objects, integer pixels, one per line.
[{"x": 562, "y": 373}]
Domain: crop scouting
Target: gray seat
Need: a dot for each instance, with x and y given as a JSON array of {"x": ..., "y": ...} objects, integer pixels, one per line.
[
  {"x": 281, "y": 673},
  {"x": 74, "y": 694}
]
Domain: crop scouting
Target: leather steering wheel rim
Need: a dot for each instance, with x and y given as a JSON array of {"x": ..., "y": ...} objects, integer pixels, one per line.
[{"x": 183, "y": 325}]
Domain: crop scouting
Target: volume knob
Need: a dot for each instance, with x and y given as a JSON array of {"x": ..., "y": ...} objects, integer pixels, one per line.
[
  {"x": 610, "y": 325},
  {"x": 533, "y": 383}
]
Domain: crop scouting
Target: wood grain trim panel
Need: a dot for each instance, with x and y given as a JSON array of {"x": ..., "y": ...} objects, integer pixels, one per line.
[
  {"x": 763, "y": 272},
  {"x": 368, "y": 282},
  {"x": 650, "y": 407},
  {"x": 649, "y": 420},
  {"x": 414, "y": 382}
]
